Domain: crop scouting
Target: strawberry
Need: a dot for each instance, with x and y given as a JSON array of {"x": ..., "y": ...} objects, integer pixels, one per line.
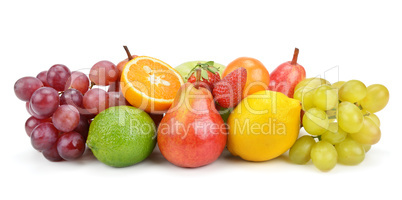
[
  {"x": 228, "y": 91},
  {"x": 209, "y": 75}
]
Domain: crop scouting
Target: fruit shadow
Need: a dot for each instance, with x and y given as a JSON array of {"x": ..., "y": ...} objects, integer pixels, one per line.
[
  {"x": 156, "y": 157},
  {"x": 228, "y": 157},
  {"x": 87, "y": 157}
]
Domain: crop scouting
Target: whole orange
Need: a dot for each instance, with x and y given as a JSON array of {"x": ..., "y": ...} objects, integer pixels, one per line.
[{"x": 257, "y": 74}]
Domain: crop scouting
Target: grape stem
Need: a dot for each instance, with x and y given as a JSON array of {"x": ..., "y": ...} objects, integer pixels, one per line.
[
  {"x": 359, "y": 106},
  {"x": 295, "y": 55},
  {"x": 367, "y": 114},
  {"x": 128, "y": 53},
  {"x": 318, "y": 137}
]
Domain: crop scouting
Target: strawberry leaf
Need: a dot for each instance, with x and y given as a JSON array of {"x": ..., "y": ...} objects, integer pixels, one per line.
[
  {"x": 207, "y": 66},
  {"x": 213, "y": 69},
  {"x": 204, "y": 74},
  {"x": 210, "y": 63}
]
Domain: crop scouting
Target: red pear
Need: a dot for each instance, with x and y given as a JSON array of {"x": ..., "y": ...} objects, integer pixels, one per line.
[
  {"x": 287, "y": 75},
  {"x": 122, "y": 63},
  {"x": 192, "y": 133}
]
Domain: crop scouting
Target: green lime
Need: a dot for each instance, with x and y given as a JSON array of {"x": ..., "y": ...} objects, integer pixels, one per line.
[{"x": 122, "y": 136}]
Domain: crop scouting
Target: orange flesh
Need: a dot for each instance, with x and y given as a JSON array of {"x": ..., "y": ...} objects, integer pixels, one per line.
[{"x": 159, "y": 82}]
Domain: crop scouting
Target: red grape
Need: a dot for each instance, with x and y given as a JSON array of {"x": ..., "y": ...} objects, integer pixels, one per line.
[
  {"x": 58, "y": 76},
  {"x": 84, "y": 112},
  {"x": 44, "y": 101},
  {"x": 27, "y": 107},
  {"x": 32, "y": 122},
  {"x": 26, "y": 86},
  {"x": 31, "y": 112},
  {"x": 52, "y": 154},
  {"x": 44, "y": 136},
  {"x": 66, "y": 118},
  {"x": 70, "y": 145},
  {"x": 96, "y": 100},
  {"x": 104, "y": 73},
  {"x": 79, "y": 81},
  {"x": 71, "y": 97},
  {"x": 114, "y": 87},
  {"x": 83, "y": 127},
  {"x": 42, "y": 76},
  {"x": 117, "y": 99}
]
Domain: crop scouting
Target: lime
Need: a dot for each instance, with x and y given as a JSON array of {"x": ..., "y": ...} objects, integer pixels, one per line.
[{"x": 122, "y": 136}]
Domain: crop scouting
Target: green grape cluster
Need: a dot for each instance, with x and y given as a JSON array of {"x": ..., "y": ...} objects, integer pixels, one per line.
[{"x": 340, "y": 119}]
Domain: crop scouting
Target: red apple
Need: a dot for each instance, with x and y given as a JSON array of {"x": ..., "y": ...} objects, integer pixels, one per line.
[
  {"x": 286, "y": 76},
  {"x": 192, "y": 133}
]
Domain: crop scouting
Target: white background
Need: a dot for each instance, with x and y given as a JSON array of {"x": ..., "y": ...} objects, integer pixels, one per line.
[{"x": 363, "y": 38}]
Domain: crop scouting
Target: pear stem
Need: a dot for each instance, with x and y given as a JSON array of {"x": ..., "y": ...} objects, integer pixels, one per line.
[
  {"x": 295, "y": 55},
  {"x": 197, "y": 78},
  {"x": 128, "y": 53}
]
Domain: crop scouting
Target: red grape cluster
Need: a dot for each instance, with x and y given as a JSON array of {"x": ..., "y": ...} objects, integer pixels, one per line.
[{"x": 63, "y": 103}]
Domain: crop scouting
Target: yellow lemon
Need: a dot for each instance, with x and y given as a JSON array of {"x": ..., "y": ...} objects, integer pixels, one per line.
[{"x": 263, "y": 126}]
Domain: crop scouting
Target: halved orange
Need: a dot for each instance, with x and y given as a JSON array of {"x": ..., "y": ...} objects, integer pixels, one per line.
[{"x": 150, "y": 84}]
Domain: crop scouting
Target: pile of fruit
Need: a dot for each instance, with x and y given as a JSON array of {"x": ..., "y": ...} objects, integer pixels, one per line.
[
  {"x": 197, "y": 109},
  {"x": 341, "y": 117}
]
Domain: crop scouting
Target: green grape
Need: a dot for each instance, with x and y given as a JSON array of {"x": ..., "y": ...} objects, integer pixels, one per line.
[
  {"x": 376, "y": 99},
  {"x": 306, "y": 96},
  {"x": 369, "y": 134},
  {"x": 334, "y": 134},
  {"x": 299, "y": 94},
  {"x": 350, "y": 118},
  {"x": 375, "y": 119},
  {"x": 324, "y": 155},
  {"x": 312, "y": 82},
  {"x": 366, "y": 147},
  {"x": 325, "y": 97},
  {"x": 352, "y": 91},
  {"x": 315, "y": 121},
  {"x": 338, "y": 84},
  {"x": 372, "y": 116},
  {"x": 350, "y": 152},
  {"x": 300, "y": 151}
]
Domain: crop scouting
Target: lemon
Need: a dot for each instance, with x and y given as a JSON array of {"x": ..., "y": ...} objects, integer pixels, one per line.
[
  {"x": 122, "y": 136},
  {"x": 263, "y": 126}
]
